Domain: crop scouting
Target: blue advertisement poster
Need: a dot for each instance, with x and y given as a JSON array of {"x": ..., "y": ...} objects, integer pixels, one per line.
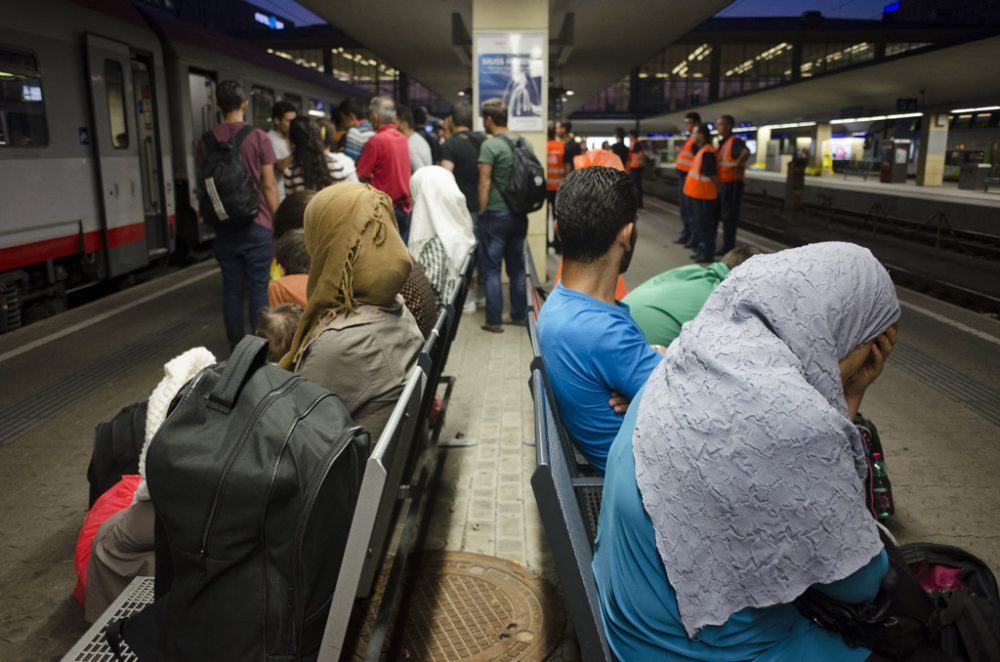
[{"x": 511, "y": 67}]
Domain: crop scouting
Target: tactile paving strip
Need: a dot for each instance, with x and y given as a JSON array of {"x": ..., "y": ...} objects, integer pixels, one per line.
[
  {"x": 977, "y": 396},
  {"x": 465, "y": 607}
]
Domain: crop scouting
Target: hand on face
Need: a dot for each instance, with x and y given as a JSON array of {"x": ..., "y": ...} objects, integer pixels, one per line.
[{"x": 864, "y": 365}]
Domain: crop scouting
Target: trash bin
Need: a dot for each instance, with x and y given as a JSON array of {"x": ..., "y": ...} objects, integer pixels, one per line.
[{"x": 973, "y": 176}]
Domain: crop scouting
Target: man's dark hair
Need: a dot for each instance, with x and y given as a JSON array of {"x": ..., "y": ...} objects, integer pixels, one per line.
[
  {"x": 552, "y": 132},
  {"x": 280, "y": 108},
  {"x": 566, "y": 124},
  {"x": 634, "y": 132},
  {"x": 728, "y": 118},
  {"x": 738, "y": 256},
  {"x": 496, "y": 110},
  {"x": 694, "y": 117},
  {"x": 420, "y": 117},
  {"x": 291, "y": 254},
  {"x": 592, "y": 206},
  {"x": 701, "y": 128},
  {"x": 404, "y": 115},
  {"x": 620, "y": 133},
  {"x": 351, "y": 106},
  {"x": 290, "y": 214},
  {"x": 461, "y": 114},
  {"x": 229, "y": 95}
]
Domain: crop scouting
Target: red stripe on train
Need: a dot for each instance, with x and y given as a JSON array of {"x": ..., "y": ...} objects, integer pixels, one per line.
[{"x": 34, "y": 252}]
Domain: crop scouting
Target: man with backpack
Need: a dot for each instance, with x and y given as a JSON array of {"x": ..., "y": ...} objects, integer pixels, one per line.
[
  {"x": 238, "y": 193},
  {"x": 504, "y": 180}
]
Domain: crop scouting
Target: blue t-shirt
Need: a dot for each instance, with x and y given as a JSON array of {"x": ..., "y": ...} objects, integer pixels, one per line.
[
  {"x": 591, "y": 348},
  {"x": 639, "y": 606}
]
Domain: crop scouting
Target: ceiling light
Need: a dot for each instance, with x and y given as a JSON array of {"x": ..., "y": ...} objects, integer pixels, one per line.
[
  {"x": 792, "y": 125},
  {"x": 981, "y": 109},
  {"x": 570, "y": 93},
  {"x": 875, "y": 118},
  {"x": 744, "y": 129},
  {"x": 461, "y": 93},
  {"x": 316, "y": 113}
]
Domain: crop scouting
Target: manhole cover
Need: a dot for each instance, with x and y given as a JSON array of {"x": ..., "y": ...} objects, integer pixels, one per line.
[{"x": 473, "y": 608}]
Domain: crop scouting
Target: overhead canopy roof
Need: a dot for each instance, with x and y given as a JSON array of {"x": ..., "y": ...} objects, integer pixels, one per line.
[
  {"x": 941, "y": 80},
  {"x": 609, "y": 38}
]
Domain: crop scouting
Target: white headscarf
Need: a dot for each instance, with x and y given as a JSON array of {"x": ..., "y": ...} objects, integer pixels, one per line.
[
  {"x": 177, "y": 372},
  {"x": 748, "y": 465},
  {"x": 440, "y": 227}
]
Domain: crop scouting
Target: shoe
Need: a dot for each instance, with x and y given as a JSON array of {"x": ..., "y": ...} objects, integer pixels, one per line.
[
  {"x": 694, "y": 256},
  {"x": 681, "y": 240},
  {"x": 516, "y": 322},
  {"x": 721, "y": 252},
  {"x": 469, "y": 307},
  {"x": 690, "y": 245},
  {"x": 702, "y": 259},
  {"x": 492, "y": 328}
]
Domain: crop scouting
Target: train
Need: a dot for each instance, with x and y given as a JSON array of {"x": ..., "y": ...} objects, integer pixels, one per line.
[{"x": 102, "y": 105}]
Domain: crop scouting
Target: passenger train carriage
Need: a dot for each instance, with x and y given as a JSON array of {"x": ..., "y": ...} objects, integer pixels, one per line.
[{"x": 101, "y": 107}]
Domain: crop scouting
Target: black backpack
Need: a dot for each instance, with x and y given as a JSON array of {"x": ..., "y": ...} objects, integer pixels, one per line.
[
  {"x": 117, "y": 445},
  {"x": 254, "y": 476},
  {"x": 228, "y": 195},
  {"x": 526, "y": 190}
]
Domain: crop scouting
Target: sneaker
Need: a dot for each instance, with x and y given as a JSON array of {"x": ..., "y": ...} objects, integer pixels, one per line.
[
  {"x": 516, "y": 322},
  {"x": 492, "y": 328},
  {"x": 469, "y": 307}
]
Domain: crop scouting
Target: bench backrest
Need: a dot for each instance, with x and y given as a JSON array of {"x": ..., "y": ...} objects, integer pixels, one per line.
[
  {"x": 565, "y": 528},
  {"x": 370, "y": 525}
]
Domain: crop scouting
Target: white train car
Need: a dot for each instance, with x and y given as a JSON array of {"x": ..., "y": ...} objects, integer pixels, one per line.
[{"x": 101, "y": 107}]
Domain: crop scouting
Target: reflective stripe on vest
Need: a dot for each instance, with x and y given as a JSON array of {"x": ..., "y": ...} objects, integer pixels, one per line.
[
  {"x": 685, "y": 157},
  {"x": 729, "y": 168},
  {"x": 556, "y": 170},
  {"x": 697, "y": 185}
]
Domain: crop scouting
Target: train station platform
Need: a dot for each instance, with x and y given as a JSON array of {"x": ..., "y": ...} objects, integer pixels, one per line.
[{"x": 937, "y": 407}]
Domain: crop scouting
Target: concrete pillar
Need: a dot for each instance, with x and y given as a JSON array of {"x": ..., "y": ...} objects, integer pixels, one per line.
[
  {"x": 518, "y": 16},
  {"x": 822, "y": 133},
  {"x": 763, "y": 139},
  {"x": 933, "y": 145}
]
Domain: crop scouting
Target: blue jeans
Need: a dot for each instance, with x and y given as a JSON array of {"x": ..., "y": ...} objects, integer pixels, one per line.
[
  {"x": 244, "y": 255},
  {"x": 501, "y": 238},
  {"x": 705, "y": 217},
  {"x": 730, "y": 198},
  {"x": 403, "y": 222}
]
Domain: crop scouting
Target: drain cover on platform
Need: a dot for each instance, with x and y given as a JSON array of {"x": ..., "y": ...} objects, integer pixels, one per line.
[{"x": 472, "y": 608}]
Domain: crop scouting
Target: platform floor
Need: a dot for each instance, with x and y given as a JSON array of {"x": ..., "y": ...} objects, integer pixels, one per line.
[{"x": 937, "y": 407}]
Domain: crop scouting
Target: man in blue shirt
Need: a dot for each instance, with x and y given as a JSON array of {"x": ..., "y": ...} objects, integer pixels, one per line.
[{"x": 594, "y": 353}]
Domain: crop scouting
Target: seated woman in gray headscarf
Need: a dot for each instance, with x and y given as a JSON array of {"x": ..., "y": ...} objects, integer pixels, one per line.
[{"x": 736, "y": 481}]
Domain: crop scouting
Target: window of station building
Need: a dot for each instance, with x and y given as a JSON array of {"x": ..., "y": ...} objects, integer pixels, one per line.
[
  {"x": 903, "y": 47},
  {"x": 748, "y": 67},
  {"x": 261, "y": 102},
  {"x": 822, "y": 58},
  {"x": 22, "y": 103},
  {"x": 114, "y": 86}
]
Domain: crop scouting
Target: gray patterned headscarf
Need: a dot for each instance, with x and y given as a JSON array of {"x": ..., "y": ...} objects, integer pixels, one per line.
[{"x": 747, "y": 463}]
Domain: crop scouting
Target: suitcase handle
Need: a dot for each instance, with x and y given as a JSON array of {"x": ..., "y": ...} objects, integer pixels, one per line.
[{"x": 249, "y": 355}]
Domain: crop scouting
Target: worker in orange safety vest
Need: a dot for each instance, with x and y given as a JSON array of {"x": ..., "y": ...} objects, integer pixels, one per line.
[
  {"x": 733, "y": 157},
  {"x": 701, "y": 188},
  {"x": 555, "y": 172},
  {"x": 685, "y": 157}
]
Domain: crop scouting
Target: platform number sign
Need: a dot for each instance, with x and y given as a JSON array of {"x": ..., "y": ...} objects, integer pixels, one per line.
[{"x": 906, "y": 105}]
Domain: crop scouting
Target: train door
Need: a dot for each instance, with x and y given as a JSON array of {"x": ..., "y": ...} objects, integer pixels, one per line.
[
  {"x": 116, "y": 148},
  {"x": 201, "y": 89},
  {"x": 157, "y": 239}
]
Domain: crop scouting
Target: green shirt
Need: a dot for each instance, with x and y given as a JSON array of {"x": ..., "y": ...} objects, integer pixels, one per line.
[
  {"x": 662, "y": 304},
  {"x": 497, "y": 153}
]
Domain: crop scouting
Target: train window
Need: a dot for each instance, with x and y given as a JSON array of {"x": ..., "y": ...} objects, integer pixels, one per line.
[
  {"x": 293, "y": 99},
  {"x": 261, "y": 100},
  {"x": 22, "y": 107},
  {"x": 114, "y": 82}
]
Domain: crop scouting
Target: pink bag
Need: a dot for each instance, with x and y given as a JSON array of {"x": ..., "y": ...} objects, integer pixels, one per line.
[{"x": 117, "y": 498}]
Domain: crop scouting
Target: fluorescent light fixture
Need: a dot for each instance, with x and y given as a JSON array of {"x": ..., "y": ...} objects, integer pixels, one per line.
[
  {"x": 570, "y": 93},
  {"x": 316, "y": 113},
  {"x": 792, "y": 125},
  {"x": 461, "y": 93},
  {"x": 981, "y": 109},
  {"x": 875, "y": 118},
  {"x": 744, "y": 129}
]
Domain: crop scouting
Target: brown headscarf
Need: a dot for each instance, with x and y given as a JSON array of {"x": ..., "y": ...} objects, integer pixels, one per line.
[{"x": 357, "y": 257}]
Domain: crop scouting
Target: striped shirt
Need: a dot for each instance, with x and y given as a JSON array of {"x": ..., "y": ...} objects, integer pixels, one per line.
[
  {"x": 341, "y": 169},
  {"x": 357, "y": 137}
]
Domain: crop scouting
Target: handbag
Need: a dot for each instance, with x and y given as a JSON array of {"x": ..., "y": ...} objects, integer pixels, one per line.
[{"x": 901, "y": 617}]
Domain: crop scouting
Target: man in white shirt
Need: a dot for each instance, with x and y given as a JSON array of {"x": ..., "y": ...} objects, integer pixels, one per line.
[
  {"x": 282, "y": 114},
  {"x": 420, "y": 151}
]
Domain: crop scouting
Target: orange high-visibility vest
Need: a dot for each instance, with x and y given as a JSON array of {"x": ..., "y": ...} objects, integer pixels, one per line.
[
  {"x": 636, "y": 159},
  {"x": 598, "y": 157},
  {"x": 685, "y": 156},
  {"x": 697, "y": 185},
  {"x": 729, "y": 165},
  {"x": 556, "y": 170}
]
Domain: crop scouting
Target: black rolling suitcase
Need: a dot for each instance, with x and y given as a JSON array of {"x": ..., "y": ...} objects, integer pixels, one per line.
[{"x": 254, "y": 476}]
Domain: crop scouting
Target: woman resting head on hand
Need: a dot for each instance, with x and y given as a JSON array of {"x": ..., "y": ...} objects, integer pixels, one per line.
[{"x": 748, "y": 471}]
